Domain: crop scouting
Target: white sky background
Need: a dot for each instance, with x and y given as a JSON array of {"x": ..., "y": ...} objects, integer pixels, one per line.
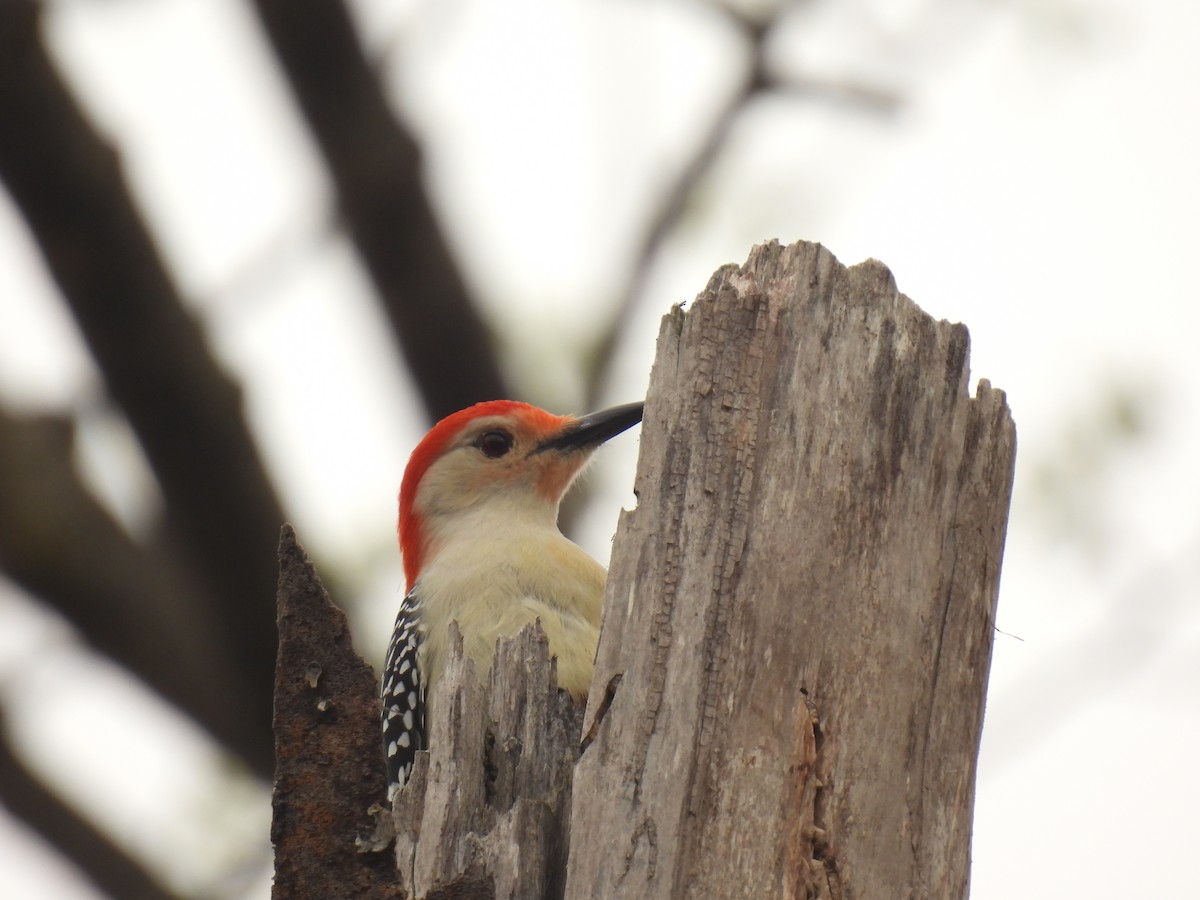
[{"x": 1042, "y": 186}]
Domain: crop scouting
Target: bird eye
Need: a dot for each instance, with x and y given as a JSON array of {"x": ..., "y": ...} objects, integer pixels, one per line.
[{"x": 494, "y": 444}]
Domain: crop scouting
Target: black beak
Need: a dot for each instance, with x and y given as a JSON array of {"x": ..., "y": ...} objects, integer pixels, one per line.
[{"x": 592, "y": 431}]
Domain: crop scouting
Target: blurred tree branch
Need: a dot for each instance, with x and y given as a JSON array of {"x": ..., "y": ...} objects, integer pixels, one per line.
[
  {"x": 221, "y": 511},
  {"x": 105, "y": 864},
  {"x": 757, "y": 79},
  {"x": 375, "y": 164},
  {"x": 127, "y": 601}
]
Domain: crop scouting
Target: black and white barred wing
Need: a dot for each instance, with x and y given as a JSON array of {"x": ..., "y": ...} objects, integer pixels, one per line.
[{"x": 403, "y": 696}]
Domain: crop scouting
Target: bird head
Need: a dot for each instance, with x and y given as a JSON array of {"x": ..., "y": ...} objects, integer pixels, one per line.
[{"x": 500, "y": 452}]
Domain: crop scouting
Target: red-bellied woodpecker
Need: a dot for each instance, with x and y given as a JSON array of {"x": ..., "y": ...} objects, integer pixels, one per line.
[{"x": 479, "y": 533}]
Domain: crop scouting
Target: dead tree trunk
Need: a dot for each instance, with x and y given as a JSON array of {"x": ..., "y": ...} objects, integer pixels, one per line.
[
  {"x": 798, "y": 625},
  {"x": 797, "y": 631}
]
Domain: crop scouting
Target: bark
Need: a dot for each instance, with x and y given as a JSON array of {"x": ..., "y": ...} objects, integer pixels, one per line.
[
  {"x": 329, "y": 774},
  {"x": 486, "y": 811},
  {"x": 799, "y": 615}
]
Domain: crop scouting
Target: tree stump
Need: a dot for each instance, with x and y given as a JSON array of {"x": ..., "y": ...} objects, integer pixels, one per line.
[
  {"x": 485, "y": 812},
  {"x": 798, "y": 624},
  {"x": 797, "y": 633},
  {"x": 329, "y": 774}
]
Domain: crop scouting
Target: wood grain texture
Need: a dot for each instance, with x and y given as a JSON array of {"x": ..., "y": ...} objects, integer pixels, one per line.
[
  {"x": 485, "y": 813},
  {"x": 800, "y": 611}
]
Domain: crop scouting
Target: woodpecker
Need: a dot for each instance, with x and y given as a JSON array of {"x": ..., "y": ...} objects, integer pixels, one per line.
[{"x": 479, "y": 534}]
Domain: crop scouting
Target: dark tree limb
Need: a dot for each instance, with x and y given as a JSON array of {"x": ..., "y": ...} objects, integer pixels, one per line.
[
  {"x": 375, "y": 164},
  {"x": 108, "y": 867},
  {"x": 330, "y": 769},
  {"x": 127, "y": 601},
  {"x": 222, "y": 513}
]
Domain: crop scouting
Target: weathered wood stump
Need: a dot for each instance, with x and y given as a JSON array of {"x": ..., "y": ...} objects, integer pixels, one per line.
[
  {"x": 329, "y": 776},
  {"x": 800, "y": 609},
  {"x": 486, "y": 812},
  {"x": 797, "y": 629}
]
